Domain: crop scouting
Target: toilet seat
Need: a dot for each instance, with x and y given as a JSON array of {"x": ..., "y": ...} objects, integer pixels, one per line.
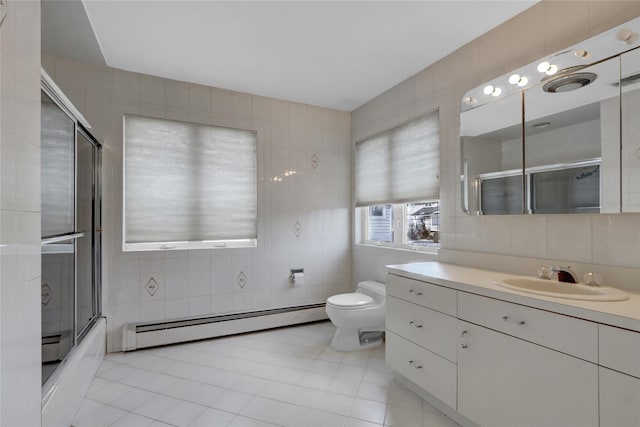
[{"x": 350, "y": 301}]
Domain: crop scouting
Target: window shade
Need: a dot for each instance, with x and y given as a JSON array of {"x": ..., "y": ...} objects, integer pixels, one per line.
[
  {"x": 185, "y": 182},
  {"x": 401, "y": 164}
]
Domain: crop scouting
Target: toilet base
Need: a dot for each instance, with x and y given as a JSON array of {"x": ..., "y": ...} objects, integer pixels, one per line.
[{"x": 349, "y": 340}]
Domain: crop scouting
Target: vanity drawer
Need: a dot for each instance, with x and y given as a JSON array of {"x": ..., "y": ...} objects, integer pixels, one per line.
[
  {"x": 563, "y": 333},
  {"x": 619, "y": 349},
  {"x": 427, "y": 370},
  {"x": 430, "y": 329},
  {"x": 422, "y": 293}
]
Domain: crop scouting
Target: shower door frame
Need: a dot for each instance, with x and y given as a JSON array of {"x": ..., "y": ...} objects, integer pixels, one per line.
[{"x": 81, "y": 126}]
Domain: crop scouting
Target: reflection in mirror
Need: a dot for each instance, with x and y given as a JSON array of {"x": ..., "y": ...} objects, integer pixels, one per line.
[
  {"x": 491, "y": 147},
  {"x": 572, "y": 141},
  {"x": 630, "y": 86},
  {"x": 580, "y": 145}
]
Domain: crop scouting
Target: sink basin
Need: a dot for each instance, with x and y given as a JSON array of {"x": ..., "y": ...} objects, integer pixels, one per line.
[{"x": 556, "y": 289}]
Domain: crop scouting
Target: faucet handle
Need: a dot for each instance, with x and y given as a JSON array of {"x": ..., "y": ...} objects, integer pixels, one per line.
[
  {"x": 592, "y": 279},
  {"x": 545, "y": 272}
]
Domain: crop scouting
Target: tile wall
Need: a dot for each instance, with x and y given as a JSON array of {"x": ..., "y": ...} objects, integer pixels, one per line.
[
  {"x": 20, "y": 215},
  {"x": 304, "y": 220},
  {"x": 602, "y": 243}
]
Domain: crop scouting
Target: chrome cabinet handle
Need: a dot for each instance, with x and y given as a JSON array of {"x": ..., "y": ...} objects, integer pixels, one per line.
[
  {"x": 517, "y": 322},
  {"x": 463, "y": 341},
  {"x": 415, "y": 364},
  {"x": 415, "y": 325},
  {"x": 418, "y": 293}
]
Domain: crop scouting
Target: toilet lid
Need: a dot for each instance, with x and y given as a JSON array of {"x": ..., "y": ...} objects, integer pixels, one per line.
[{"x": 353, "y": 300}]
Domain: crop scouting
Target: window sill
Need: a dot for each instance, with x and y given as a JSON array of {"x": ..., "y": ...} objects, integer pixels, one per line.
[
  {"x": 177, "y": 246},
  {"x": 426, "y": 251}
]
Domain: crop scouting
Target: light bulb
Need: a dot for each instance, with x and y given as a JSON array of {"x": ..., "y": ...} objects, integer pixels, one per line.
[
  {"x": 488, "y": 90},
  {"x": 496, "y": 92},
  {"x": 543, "y": 67},
  {"x": 514, "y": 79},
  {"x": 470, "y": 100},
  {"x": 583, "y": 54},
  {"x": 623, "y": 34},
  {"x": 523, "y": 81},
  {"x": 632, "y": 38},
  {"x": 552, "y": 70}
]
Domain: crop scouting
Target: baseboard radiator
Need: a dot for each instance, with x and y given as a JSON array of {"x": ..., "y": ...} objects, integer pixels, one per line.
[{"x": 143, "y": 335}]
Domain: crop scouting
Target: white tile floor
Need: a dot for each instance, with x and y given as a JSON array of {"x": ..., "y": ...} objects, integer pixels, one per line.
[{"x": 285, "y": 377}]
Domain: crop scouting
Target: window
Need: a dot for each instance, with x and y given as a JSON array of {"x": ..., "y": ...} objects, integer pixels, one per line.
[
  {"x": 397, "y": 185},
  {"x": 417, "y": 226},
  {"x": 188, "y": 185}
]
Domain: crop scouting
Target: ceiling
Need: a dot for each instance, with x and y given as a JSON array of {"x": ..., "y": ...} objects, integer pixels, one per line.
[{"x": 336, "y": 54}]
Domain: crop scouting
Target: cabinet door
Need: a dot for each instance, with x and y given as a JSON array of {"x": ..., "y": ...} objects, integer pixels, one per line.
[
  {"x": 619, "y": 399},
  {"x": 503, "y": 381}
]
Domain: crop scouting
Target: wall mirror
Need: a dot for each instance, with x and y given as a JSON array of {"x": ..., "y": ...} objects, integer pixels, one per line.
[{"x": 559, "y": 135}]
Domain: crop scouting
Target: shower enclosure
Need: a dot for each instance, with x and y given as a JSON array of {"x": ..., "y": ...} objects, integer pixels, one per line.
[{"x": 70, "y": 206}]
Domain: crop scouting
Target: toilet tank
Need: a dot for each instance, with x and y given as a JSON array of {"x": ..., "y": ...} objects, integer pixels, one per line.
[{"x": 375, "y": 290}]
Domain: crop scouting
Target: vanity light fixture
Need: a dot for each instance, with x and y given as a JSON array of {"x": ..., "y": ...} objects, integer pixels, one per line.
[
  {"x": 517, "y": 79},
  {"x": 626, "y": 36},
  {"x": 491, "y": 90},
  {"x": 547, "y": 68}
]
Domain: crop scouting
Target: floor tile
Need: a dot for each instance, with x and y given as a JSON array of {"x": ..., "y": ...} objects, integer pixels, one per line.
[
  {"x": 401, "y": 396},
  {"x": 240, "y": 421},
  {"x": 134, "y": 399},
  {"x": 133, "y": 420},
  {"x": 157, "y": 407},
  {"x": 335, "y": 403},
  {"x": 371, "y": 391},
  {"x": 233, "y": 401},
  {"x": 102, "y": 415},
  {"x": 183, "y": 414},
  {"x": 368, "y": 410},
  {"x": 212, "y": 418},
  {"x": 285, "y": 377},
  {"x": 344, "y": 386},
  {"x": 319, "y": 418},
  {"x": 399, "y": 416},
  {"x": 437, "y": 420},
  {"x": 354, "y": 422}
]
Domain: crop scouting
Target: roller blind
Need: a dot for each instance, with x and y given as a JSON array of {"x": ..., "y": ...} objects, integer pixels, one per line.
[
  {"x": 187, "y": 185},
  {"x": 401, "y": 164}
]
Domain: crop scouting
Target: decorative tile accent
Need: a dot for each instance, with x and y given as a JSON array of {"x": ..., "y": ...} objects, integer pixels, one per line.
[
  {"x": 151, "y": 287},
  {"x": 315, "y": 161},
  {"x": 242, "y": 279},
  {"x": 297, "y": 228},
  {"x": 46, "y": 294}
]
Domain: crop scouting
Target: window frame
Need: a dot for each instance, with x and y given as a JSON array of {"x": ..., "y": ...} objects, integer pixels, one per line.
[{"x": 399, "y": 229}]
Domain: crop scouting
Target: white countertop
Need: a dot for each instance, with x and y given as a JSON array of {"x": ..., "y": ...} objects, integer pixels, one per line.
[{"x": 623, "y": 314}]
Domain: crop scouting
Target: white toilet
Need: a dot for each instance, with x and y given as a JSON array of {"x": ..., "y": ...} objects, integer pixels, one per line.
[{"x": 358, "y": 317}]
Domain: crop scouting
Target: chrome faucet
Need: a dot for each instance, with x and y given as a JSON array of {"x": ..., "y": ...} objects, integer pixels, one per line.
[{"x": 564, "y": 274}]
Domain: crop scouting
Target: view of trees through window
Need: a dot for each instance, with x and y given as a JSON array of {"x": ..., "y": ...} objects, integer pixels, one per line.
[{"x": 413, "y": 225}]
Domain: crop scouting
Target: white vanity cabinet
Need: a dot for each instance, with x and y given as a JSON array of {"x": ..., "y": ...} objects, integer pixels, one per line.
[
  {"x": 500, "y": 362},
  {"x": 619, "y": 377},
  {"x": 421, "y": 335},
  {"x": 509, "y": 372}
]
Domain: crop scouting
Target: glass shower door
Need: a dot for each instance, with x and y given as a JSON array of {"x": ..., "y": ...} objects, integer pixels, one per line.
[
  {"x": 58, "y": 228},
  {"x": 70, "y": 208},
  {"x": 87, "y": 220}
]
